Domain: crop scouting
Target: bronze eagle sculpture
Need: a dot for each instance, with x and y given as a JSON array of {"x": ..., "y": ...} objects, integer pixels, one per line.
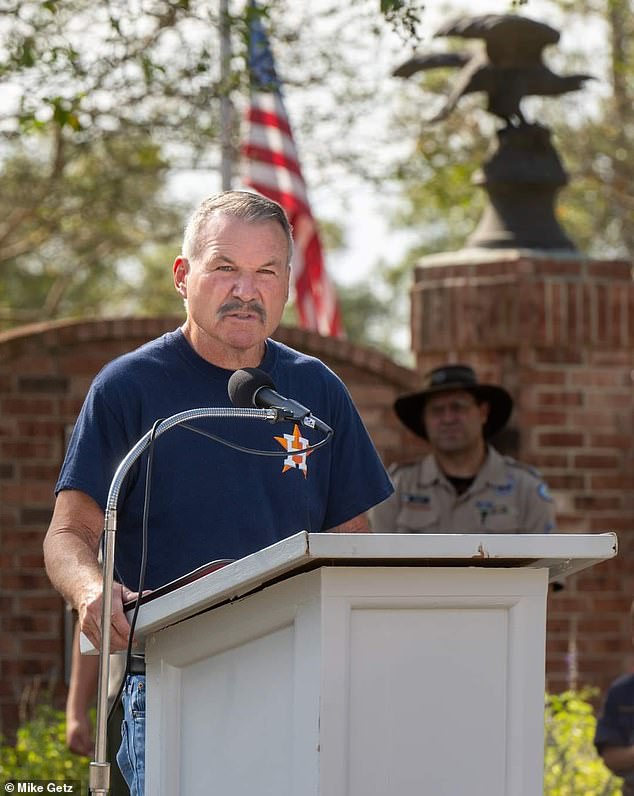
[{"x": 510, "y": 67}]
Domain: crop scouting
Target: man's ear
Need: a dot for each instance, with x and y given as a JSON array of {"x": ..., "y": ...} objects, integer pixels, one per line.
[
  {"x": 288, "y": 285},
  {"x": 181, "y": 271}
]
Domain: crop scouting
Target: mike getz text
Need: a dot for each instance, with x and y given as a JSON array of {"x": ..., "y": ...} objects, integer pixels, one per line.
[{"x": 42, "y": 786}]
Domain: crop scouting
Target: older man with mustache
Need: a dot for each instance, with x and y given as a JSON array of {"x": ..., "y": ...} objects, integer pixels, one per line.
[{"x": 208, "y": 501}]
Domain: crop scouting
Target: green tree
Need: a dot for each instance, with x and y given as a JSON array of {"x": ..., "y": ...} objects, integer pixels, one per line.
[
  {"x": 365, "y": 319},
  {"x": 76, "y": 222},
  {"x": 598, "y": 205},
  {"x": 103, "y": 101},
  {"x": 100, "y": 99}
]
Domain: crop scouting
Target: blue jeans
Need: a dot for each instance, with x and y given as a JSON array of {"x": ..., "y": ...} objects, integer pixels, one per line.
[{"x": 131, "y": 754}]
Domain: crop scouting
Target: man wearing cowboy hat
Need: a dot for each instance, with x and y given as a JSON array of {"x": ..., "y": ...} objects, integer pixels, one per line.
[{"x": 463, "y": 485}]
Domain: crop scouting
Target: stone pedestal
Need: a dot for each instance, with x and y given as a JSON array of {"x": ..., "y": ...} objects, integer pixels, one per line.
[{"x": 521, "y": 177}]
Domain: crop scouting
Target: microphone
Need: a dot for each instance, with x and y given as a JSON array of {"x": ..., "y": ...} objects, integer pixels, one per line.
[{"x": 252, "y": 387}]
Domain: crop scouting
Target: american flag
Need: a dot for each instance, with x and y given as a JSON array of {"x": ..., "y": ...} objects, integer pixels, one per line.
[{"x": 271, "y": 167}]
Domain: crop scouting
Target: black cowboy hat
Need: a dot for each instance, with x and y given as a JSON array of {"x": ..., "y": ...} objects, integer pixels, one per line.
[{"x": 409, "y": 408}]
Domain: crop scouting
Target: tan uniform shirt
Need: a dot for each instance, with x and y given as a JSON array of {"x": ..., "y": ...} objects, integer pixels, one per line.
[{"x": 505, "y": 497}]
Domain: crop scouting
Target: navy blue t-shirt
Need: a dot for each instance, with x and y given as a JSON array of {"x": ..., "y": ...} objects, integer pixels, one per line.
[{"x": 209, "y": 501}]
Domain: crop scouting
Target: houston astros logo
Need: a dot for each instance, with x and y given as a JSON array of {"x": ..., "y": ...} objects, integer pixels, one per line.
[{"x": 294, "y": 443}]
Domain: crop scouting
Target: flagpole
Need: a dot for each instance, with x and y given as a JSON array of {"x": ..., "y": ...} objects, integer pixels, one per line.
[{"x": 226, "y": 107}]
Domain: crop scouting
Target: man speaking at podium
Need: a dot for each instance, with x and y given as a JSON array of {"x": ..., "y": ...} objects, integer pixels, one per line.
[{"x": 207, "y": 501}]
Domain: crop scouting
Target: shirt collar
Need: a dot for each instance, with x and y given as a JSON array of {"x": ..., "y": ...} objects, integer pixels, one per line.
[{"x": 492, "y": 472}]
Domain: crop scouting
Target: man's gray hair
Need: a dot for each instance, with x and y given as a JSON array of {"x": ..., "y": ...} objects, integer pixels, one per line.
[{"x": 251, "y": 207}]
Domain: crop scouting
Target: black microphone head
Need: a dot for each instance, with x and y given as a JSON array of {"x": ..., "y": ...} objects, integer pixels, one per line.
[{"x": 243, "y": 385}]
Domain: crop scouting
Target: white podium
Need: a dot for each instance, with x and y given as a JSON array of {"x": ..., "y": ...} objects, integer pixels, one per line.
[{"x": 357, "y": 665}]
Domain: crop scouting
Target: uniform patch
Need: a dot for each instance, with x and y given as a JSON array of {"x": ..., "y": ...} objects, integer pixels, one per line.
[
  {"x": 487, "y": 508},
  {"x": 506, "y": 489},
  {"x": 543, "y": 492},
  {"x": 417, "y": 501}
]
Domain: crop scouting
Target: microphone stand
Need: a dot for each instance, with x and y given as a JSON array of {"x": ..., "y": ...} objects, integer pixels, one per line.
[{"x": 99, "y": 774}]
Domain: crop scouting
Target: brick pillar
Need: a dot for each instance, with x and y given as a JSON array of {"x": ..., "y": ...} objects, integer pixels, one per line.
[{"x": 558, "y": 332}]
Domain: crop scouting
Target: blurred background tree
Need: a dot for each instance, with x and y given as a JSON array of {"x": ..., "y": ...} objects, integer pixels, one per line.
[
  {"x": 74, "y": 220},
  {"x": 106, "y": 105}
]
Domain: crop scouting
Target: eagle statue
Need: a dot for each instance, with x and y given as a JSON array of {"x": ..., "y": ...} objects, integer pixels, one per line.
[{"x": 507, "y": 70}]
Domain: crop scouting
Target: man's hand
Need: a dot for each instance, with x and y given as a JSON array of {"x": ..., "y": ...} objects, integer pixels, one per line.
[
  {"x": 90, "y": 617},
  {"x": 357, "y": 524},
  {"x": 79, "y": 736}
]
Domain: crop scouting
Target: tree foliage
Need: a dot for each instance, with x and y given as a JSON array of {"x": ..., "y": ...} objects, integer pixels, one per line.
[
  {"x": 40, "y": 752},
  {"x": 104, "y": 102},
  {"x": 101, "y": 67},
  {"x": 571, "y": 763},
  {"x": 598, "y": 205},
  {"x": 73, "y": 218},
  {"x": 100, "y": 99}
]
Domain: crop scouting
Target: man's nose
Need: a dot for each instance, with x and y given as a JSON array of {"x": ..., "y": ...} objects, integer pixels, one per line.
[
  {"x": 244, "y": 286},
  {"x": 448, "y": 412}
]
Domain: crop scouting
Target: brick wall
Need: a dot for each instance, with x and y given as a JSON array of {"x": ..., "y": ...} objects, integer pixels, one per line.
[
  {"x": 45, "y": 371},
  {"x": 558, "y": 332}
]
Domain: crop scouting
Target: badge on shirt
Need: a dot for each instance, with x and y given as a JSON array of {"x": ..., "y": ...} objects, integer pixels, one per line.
[
  {"x": 544, "y": 493},
  {"x": 417, "y": 501},
  {"x": 487, "y": 508},
  {"x": 505, "y": 489}
]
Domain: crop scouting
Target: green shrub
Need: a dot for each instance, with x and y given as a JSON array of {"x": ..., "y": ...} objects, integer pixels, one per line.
[
  {"x": 40, "y": 751},
  {"x": 572, "y": 766}
]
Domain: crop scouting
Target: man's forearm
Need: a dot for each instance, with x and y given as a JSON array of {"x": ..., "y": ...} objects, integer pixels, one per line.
[
  {"x": 83, "y": 680},
  {"x": 70, "y": 554},
  {"x": 72, "y": 567},
  {"x": 71, "y": 545},
  {"x": 618, "y": 758}
]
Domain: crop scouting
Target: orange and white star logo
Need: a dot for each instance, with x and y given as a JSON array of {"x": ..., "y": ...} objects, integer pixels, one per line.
[{"x": 292, "y": 443}]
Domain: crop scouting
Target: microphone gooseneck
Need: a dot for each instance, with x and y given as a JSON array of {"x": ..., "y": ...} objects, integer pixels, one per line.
[{"x": 99, "y": 770}]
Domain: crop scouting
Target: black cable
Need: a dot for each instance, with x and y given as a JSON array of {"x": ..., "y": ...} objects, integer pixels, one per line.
[
  {"x": 235, "y": 446},
  {"x": 143, "y": 566}
]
